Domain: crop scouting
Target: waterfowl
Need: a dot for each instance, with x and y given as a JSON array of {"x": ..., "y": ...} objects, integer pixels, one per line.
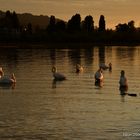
[
  {"x": 105, "y": 67},
  {"x": 57, "y": 76},
  {"x": 5, "y": 80},
  {"x": 79, "y": 68},
  {"x": 123, "y": 80},
  {"x": 1, "y": 72},
  {"x": 99, "y": 75},
  {"x": 123, "y": 83}
]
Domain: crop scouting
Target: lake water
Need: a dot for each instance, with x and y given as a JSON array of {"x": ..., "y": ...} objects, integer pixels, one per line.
[{"x": 75, "y": 109}]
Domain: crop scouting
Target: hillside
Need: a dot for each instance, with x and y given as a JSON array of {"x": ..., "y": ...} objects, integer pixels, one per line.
[
  {"x": 26, "y": 18},
  {"x": 35, "y": 20}
]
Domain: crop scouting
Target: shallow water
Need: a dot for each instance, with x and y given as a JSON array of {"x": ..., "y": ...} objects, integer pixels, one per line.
[{"x": 75, "y": 109}]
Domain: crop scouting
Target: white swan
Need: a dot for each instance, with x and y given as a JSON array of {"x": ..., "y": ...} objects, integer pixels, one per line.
[
  {"x": 123, "y": 79},
  {"x": 8, "y": 80},
  {"x": 57, "y": 76},
  {"x": 99, "y": 75},
  {"x": 99, "y": 78},
  {"x": 79, "y": 68}
]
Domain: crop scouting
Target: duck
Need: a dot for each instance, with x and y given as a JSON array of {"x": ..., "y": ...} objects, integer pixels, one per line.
[
  {"x": 79, "y": 68},
  {"x": 105, "y": 67},
  {"x": 5, "y": 80},
  {"x": 58, "y": 76}
]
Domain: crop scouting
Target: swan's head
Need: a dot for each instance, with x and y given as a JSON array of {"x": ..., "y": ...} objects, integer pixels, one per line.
[
  {"x": 54, "y": 69},
  {"x": 122, "y": 72}
]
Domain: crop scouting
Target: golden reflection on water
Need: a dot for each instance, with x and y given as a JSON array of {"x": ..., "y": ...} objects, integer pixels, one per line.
[{"x": 40, "y": 107}]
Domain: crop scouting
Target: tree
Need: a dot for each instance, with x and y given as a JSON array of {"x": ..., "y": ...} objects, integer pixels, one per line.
[
  {"x": 122, "y": 27},
  {"x": 131, "y": 25},
  {"x": 11, "y": 21},
  {"x": 8, "y": 14},
  {"x": 52, "y": 20},
  {"x": 74, "y": 24},
  {"x": 29, "y": 28},
  {"x": 102, "y": 23},
  {"x": 51, "y": 26},
  {"x": 126, "y": 27},
  {"x": 88, "y": 23},
  {"x": 60, "y": 26},
  {"x": 15, "y": 21},
  {"x": 8, "y": 20}
]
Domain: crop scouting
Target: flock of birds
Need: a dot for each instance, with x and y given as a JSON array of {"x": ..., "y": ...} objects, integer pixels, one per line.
[
  {"x": 11, "y": 80},
  {"x": 98, "y": 80},
  {"x": 59, "y": 76}
]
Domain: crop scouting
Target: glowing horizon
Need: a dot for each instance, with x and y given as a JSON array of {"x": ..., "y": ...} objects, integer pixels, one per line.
[{"x": 115, "y": 11}]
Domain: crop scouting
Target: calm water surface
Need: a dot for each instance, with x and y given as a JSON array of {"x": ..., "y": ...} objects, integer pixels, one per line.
[{"x": 75, "y": 109}]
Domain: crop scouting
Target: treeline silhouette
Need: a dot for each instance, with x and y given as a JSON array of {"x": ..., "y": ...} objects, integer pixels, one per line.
[{"x": 75, "y": 30}]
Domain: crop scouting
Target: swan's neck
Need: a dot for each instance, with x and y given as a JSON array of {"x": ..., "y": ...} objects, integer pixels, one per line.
[
  {"x": 54, "y": 70},
  {"x": 13, "y": 78}
]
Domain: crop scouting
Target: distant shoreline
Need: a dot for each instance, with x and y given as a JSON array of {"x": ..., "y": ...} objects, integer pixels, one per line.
[
  {"x": 44, "y": 45},
  {"x": 15, "y": 33}
]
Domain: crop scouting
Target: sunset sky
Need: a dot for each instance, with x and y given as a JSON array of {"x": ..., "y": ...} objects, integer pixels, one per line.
[{"x": 115, "y": 11}]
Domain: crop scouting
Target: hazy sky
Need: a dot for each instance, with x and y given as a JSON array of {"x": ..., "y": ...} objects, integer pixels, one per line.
[{"x": 115, "y": 11}]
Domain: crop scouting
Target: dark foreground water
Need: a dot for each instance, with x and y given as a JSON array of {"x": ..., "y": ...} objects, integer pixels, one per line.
[{"x": 40, "y": 109}]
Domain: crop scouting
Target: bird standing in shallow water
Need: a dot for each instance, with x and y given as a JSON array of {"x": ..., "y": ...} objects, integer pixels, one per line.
[
  {"x": 99, "y": 78},
  {"x": 123, "y": 83},
  {"x": 105, "y": 67},
  {"x": 79, "y": 68},
  {"x": 57, "y": 76},
  {"x": 8, "y": 80}
]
